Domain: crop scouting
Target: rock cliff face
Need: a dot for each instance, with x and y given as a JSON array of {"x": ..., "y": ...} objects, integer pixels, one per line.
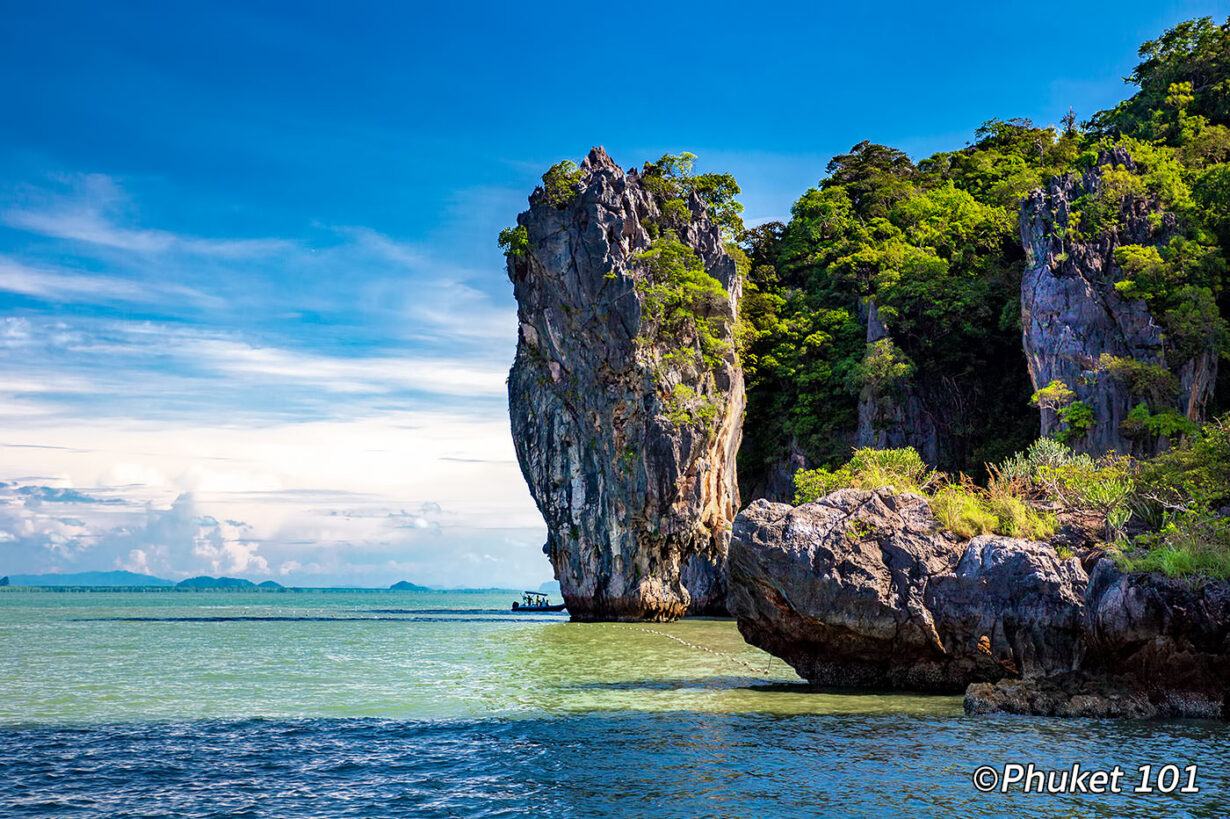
[
  {"x": 863, "y": 589},
  {"x": 625, "y": 434},
  {"x": 898, "y": 419},
  {"x": 1071, "y": 313},
  {"x": 775, "y": 482}
]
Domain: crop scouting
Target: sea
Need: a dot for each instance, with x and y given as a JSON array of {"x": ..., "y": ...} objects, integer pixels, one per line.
[{"x": 333, "y": 703}]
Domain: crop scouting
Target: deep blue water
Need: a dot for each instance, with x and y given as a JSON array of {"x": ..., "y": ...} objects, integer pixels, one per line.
[{"x": 596, "y": 765}]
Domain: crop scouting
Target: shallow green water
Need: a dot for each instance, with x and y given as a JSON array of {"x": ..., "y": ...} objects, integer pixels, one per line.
[{"x": 107, "y": 657}]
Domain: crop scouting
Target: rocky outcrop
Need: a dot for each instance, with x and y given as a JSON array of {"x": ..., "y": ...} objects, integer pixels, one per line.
[
  {"x": 1168, "y": 635},
  {"x": 626, "y": 436},
  {"x": 863, "y": 589},
  {"x": 1155, "y": 647},
  {"x": 896, "y": 416},
  {"x": 1072, "y": 695},
  {"x": 1071, "y": 313}
]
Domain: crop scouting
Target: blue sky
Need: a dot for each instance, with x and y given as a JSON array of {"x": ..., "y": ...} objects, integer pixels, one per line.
[{"x": 251, "y": 308}]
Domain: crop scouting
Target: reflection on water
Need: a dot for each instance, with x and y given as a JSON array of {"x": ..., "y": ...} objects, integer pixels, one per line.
[{"x": 405, "y": 704}]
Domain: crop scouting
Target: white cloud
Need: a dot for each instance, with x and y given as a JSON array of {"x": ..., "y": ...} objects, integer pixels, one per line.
[
  {"x": 327, "y": 411},
  {"x": 137, "y": 561},
  {"x": 421, "y": 489},
  {"x": 421, "y": 297},
  {"x": 434, "y": 298},
  {"x": 69, "y": 287},
  {"x": 125, "y": 473},
  {"x": 45, "y": 382},
  {"x": 226, "y": 553},
  {"x": 208, "y": 370},
  {"x": 89, "y": 214},
  {"x": 357, "y": 374}
]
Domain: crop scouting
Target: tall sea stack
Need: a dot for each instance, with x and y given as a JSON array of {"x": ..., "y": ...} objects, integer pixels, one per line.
[{"x": 626, "y": 395}]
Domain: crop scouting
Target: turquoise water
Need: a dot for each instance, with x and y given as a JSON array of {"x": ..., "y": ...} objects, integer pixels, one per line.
[{"x": 407, "y": 704}]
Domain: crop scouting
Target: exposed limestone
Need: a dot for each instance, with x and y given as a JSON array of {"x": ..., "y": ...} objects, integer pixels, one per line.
[
  {"x": 1071, "y": 313},
  {"x": 638, "y": 506},
  {"x": 900, "y": 418},
  {"x": 1067, "y": 695},
  {"x": 864, "y": 589}
]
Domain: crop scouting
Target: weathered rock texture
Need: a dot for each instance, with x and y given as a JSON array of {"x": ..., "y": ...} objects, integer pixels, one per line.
[
  {"x": 637, "y": 506},
  {"x": 1155, "y": 647},
  {"x": 1071, "y": 313},
  {"x": 863, "y": 589},
  {"x": 898, "y": 418}
]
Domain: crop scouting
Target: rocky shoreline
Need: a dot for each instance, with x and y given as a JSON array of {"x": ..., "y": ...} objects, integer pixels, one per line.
[{"x": 864, "y": 589}]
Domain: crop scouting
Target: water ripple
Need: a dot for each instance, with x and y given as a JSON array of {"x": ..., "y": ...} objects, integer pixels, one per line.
[{"x": 621, "y": 764}]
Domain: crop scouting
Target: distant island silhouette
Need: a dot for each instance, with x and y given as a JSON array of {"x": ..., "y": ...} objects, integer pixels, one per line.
[{"x": 206, "y": 582}]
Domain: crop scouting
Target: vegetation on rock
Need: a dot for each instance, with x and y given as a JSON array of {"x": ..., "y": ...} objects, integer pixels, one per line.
[
  {"x": 561, "y": 183},
  {"x": 1176, "y": 503},
  {"x": 901, "y": 469},
  {"x": 515, "y": 242},
  {"x": 681, "y": 302},
  {"x": 672, "y": 182},
  {"x": 1183, "y": 494},
  {"x": 960, "y": 505}
]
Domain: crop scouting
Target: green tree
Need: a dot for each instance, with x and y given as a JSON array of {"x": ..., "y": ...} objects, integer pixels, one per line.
[
  {"x": 671, "y": 179},
  {"x": 874, "y": 177},
  {"x": 1188, "y": 67},
  {"x": 561, "y": 183}
]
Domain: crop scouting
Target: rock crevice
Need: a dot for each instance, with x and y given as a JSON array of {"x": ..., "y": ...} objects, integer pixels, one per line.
[{"x": 900, "y": 418}]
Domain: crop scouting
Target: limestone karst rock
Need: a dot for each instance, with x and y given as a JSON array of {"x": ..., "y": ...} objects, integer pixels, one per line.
[
  {"x": 626, "y": 422},
  {"x": 1155, "y": 646},
  {"x": 1072, "y": 315},
  {"x": 899, "y": 418},
  {"x": 863, "y": 589}
]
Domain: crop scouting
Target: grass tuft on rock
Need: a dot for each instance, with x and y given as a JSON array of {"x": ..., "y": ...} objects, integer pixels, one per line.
[
  {"x": 1178, "y": 503},
  {"x": 962, "y": 507}
]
